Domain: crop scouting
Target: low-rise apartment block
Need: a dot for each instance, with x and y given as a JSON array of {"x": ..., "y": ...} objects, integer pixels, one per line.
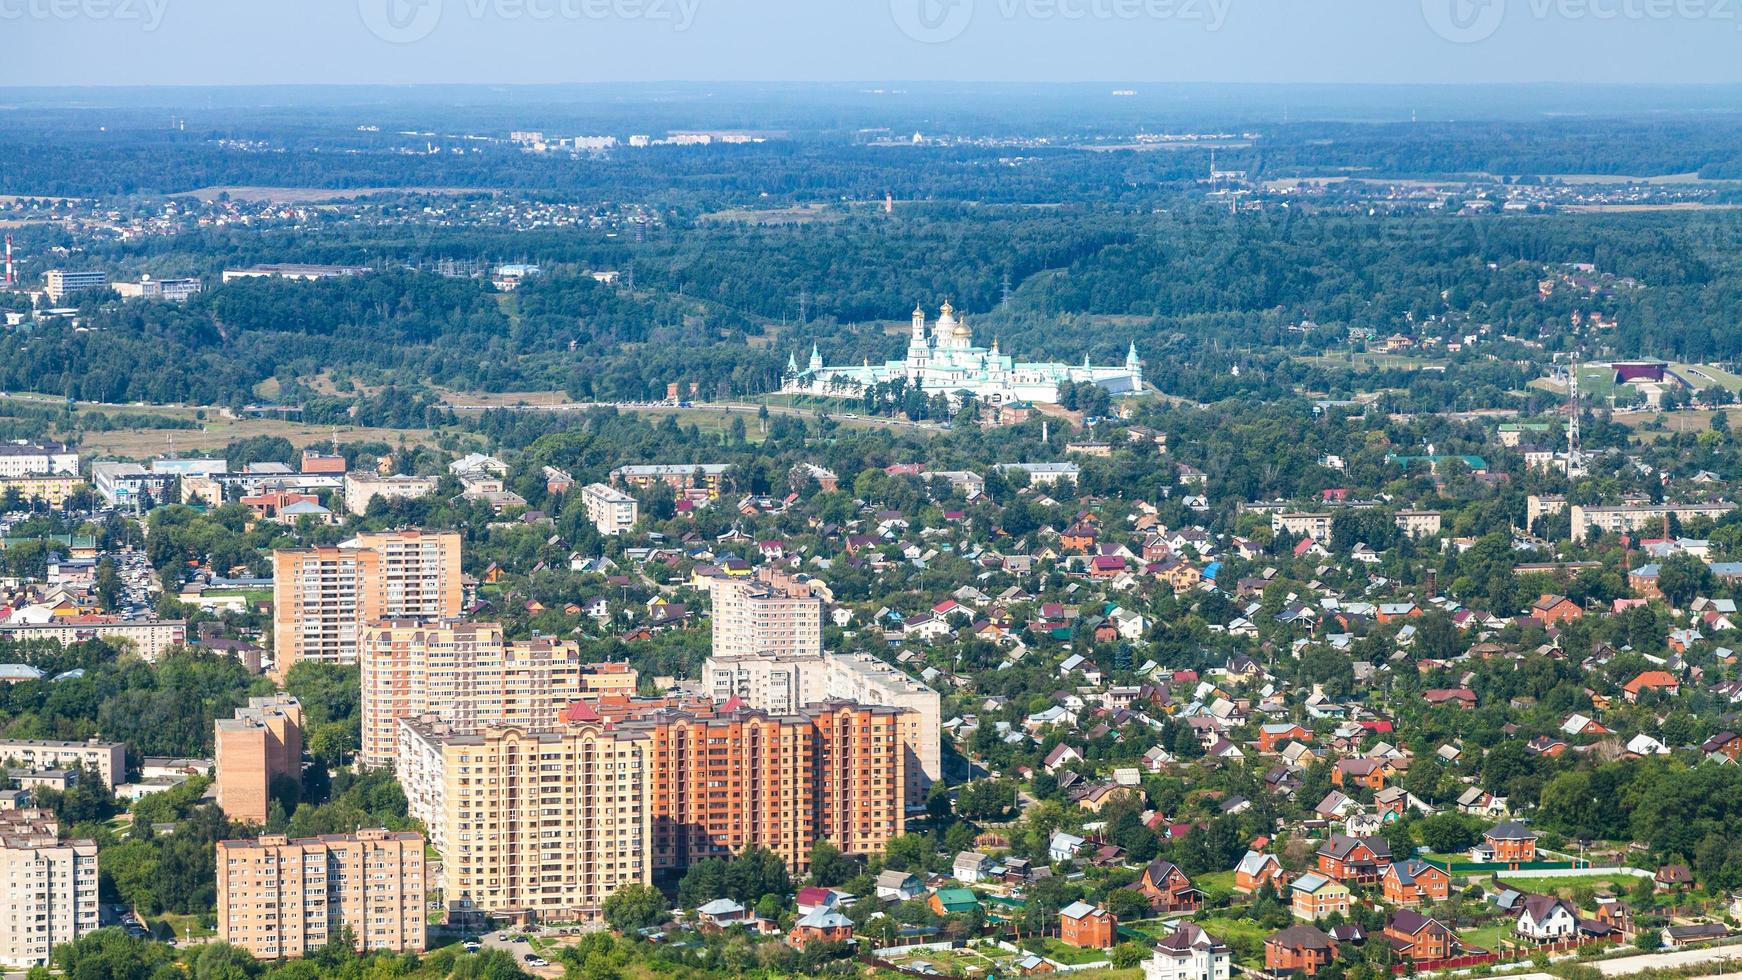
[
  {"x": 1302, "y": 524},
  {"x": 282, "y": 897},
  {"x": 107, "y": 759},
  {"x": 49, "y": 887},
  {"x": 1418, "y": 523},
  {"x": 1639, "y": 517},
  {"x": 679, "y": 476},
  {"x": 611, "y": 510},
  {"x": 261, "y": 743},
  {"x": 361, "y": 488},
  {"x": 38, "y": 459},
  {"x": 51, "y": 489},
  {"x": 152, "y": 639}
]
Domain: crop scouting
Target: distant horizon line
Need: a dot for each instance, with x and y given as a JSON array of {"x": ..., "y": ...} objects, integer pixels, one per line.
[{"x": 837, "y": 83}]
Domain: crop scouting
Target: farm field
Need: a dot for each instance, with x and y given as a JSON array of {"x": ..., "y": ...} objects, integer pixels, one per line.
[{"x": 214, "y": 432}]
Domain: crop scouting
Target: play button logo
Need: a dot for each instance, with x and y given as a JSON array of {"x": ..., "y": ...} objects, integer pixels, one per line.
[
  {"x": 400, "y": 21},
  {"x": 1464, "y": 21},
  {"x": 932, "y": 21}
]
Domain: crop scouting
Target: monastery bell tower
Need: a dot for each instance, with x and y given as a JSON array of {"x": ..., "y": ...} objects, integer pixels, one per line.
[{"x": 918, "y": 347}]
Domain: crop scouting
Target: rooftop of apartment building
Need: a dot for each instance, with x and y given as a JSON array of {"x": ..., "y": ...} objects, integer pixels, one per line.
[{"x": 280, "y": 840}]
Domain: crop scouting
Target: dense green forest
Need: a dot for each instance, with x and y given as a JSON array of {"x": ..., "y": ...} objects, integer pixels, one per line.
[{"x": 718, "y": 305}]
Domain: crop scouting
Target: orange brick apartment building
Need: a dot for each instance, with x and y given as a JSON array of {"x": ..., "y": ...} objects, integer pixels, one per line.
[
  {"x": 261, "y": 743},
  {"x": 279, "y": 897},
  {"x": 722, "y": 783}
]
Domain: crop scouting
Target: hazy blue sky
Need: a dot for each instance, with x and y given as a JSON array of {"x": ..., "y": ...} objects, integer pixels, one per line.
[{"x": 134, "y": 42}]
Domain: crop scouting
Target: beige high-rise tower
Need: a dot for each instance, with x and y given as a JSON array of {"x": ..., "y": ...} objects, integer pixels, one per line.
[
  {"x": 552, "y": 821},
  {"x": 468, "y": 676}
]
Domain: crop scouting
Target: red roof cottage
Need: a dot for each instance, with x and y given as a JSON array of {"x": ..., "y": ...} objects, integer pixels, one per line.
[{"x": 1651, "y": 680}]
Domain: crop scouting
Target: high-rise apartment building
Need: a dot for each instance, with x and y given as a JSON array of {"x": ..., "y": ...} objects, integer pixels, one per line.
[
  {"x": 722, "y": 783},
  {"x": 785, "y": 683},
  {"x": 553, "y": 821},
  {"x": 279, "y": 897},
  {"x": 323, "y": 597},
  {"x": 49, "y": 887},
  {"x": 611, "y": 510},
  {"x": 865, "y": 679},
  {"x": 773, "y": 614},
  {"x": 466, "y": 674},
  {"x": 261, "y": 743},
  {"x": 781, "y": 684}
]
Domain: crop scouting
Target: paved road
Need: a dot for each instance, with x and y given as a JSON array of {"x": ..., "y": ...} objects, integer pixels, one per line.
[
  {"x": 1674, "y": 958},
  {"x": 1727, "y": 959},
  {"x": 735, "y": 408}
]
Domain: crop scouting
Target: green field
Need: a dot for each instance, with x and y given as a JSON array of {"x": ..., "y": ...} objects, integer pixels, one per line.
[
  {"x": 1218, "y": 885},
  {"x": 1488, "y": 937},
  {"x": 186, "y": 926},
  {"x": 1597, "y": 381},
  {"x": 1071, "y": 955},
  {"x": 1566, "y": 886}
]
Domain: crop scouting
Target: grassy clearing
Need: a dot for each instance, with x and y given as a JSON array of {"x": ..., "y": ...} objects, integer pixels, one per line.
[
  {"x": 218, "y": 433},
  {"x": 1217, "y": 885},
  {"x": 1071, "y": 955},
  {"x": 1672, "y": 423},
  {"x": 1564, "y": 887},
  {"x": 215, "y": 432},
  {"x": 186, "y": 926},
  {"x": 1488, "y": 937}
]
